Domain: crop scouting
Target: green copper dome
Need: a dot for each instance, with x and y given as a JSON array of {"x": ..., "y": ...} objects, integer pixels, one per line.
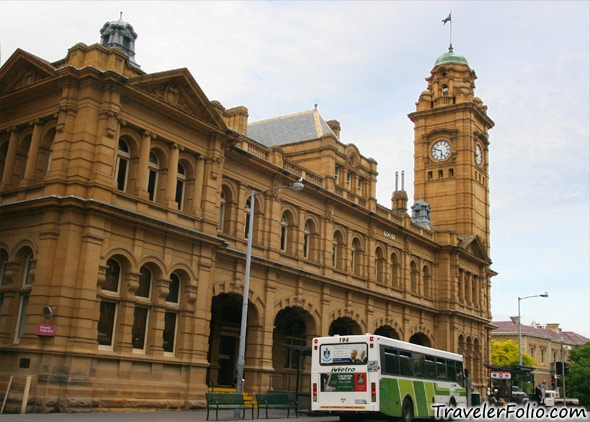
[{"x": 451, "y": 57}]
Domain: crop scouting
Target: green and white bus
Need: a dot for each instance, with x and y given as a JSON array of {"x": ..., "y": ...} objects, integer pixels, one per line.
[{"x": 369, "y": 376}]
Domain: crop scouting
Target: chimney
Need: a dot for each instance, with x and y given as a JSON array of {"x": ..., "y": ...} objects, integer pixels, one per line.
[
  {"x": 554, "y": 326},
  {"x": 335, "y": 126},
  {"x": 238, "y": 119}
]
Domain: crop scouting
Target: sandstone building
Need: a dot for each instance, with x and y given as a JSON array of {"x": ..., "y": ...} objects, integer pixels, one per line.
[
  {"x": 544, "y": 343},
  {"x": 124, "y": 201}
]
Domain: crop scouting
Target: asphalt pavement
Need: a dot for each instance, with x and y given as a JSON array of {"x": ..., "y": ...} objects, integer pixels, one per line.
[{"x": 179, "y": 416}]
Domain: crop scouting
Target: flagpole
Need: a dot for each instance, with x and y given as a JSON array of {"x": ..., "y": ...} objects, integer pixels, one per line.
[{"x": 451, "y": 30}]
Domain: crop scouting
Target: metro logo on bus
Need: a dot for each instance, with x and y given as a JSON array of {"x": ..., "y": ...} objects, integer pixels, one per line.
[{"x": 343, "y": 369}]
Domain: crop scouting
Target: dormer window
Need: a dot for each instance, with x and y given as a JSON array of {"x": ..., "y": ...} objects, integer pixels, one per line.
[{"x": 445, "y": 90}]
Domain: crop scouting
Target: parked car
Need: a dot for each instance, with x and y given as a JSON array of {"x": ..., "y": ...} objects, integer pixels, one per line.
[
  {"x": 552, "y": 399},
  {"x": 518, "y": 395}
]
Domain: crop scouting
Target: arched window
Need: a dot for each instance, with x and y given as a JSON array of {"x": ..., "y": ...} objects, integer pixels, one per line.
[
  {"x": 445, "y": 90},
  {"x": 475, "y": 291},
  {"x": 123, "y": 157},
  {"x": 414, "y": 277},
  {"x": 28, "y": 266},
  {"x": 379, "y": 265},
  {"x": 171, "y": 314},
  {"x": 427, "y": 279},
  {"x": 284, "y": 231},
  {"x": 153, "y": 171},
  {"x": 461, "y": 286},
  {"x": 3, "y": 263},
  {"x": 145, "y": 283},
  {"x": 3, "y": 155},
  {"x": 338, "y": 250},
  {"x": 306, "y": 239},
  {"x": 221, "y": 226},
  {"x": 355, "y": 256},
  {"x": 395, "y": 280},
  {"x": 108, "y": 305},
  {"x": 22, "y": 156},
  {"x": 142, "y": 309},
  {"x": 173, "y": 289},
  {"x": 113, "y": 276},
  {"x": 180, "y": 184},
  {"x": 26, "y": 259},
  {"x": 310, "y": 240}
]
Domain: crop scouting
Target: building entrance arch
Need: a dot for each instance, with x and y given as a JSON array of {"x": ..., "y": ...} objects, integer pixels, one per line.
[{"x": 224, "y": 339}]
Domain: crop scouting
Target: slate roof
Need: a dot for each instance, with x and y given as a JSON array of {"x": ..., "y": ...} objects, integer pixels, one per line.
[
  {"x": 288, "y": 129},
  {"x": 509, "y": 327}
]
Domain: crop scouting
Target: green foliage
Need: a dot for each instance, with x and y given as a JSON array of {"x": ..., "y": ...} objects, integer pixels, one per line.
[
  {"x": 576, "y": 382},
  {"x": 505, "y": 353}
]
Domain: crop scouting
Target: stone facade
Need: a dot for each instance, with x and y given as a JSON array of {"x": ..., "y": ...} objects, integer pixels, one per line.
[{"x": 124, "y": 201}]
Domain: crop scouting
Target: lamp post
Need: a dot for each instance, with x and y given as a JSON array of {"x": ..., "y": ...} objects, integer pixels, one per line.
[
  {"x": 519, "y": 330},
  {"x": 562, "y": 375},
  {"x": 296, "y": 186}
]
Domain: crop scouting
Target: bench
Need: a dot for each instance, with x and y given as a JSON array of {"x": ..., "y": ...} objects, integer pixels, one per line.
[
  {"x": 275, "y": 401},
  {"x": 228, "y": 401}
]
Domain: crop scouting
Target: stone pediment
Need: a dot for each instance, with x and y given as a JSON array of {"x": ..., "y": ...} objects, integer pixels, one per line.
[
  {"x": 178, "y": 89},
  {"x": 474, "y": 246},
  {"x": 23, "y": 69}
]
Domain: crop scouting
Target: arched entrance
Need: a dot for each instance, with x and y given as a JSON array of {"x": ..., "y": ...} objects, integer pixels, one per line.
[
  {"x": 387, "y": 331},
  {"x": 421, "y": 339},
  {"x": 344, "y": 327},
  {"x": 290, "y": 346},
  {"x": 226, "y": 315}
]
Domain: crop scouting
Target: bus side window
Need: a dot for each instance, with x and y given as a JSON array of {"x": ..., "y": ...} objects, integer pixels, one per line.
[
  {"x": 441, "y": 369},
  {"x": 453, "y": 368},
  {"x": 390, "y": 362},
  {"x": 405, "y": 364},
  {"x": 418, "y": 365},
  {"x": 430, "y": 367}
]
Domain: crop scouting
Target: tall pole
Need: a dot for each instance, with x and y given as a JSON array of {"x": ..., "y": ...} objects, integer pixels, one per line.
[
  {"x": 563, "y": 373},
  {"x": 297, "y": 186},
  {"x": 244, "y": 322},
  {"x": 519, "y": 337},
  {"x": 519, "y": 329}
]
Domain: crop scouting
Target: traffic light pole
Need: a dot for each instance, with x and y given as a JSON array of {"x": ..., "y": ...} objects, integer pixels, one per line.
[{"x": 563, "y": 373}]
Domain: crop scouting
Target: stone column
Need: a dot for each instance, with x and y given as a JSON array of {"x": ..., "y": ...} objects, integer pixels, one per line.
[
  {"x": 144, "y": 160},
  {"x": 33, "y": 155},
  {"x": 171, "y": 178},
  {"x": 199, "y": 181},
  {"x": 10, "y": 158}
]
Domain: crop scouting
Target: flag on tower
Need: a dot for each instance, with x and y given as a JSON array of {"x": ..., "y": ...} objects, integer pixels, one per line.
[{"x": 447, "y": 19}]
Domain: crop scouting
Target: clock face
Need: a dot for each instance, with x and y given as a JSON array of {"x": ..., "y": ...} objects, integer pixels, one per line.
[
  {"x": 478, "y": 155},
  {"x": 441, "y": 150}
]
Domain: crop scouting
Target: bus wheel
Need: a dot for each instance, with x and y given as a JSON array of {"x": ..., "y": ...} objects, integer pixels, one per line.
[{"x": 407, "y": 411}]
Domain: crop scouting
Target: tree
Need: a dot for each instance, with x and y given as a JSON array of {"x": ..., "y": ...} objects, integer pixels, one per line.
[
  {"x": 505, "y": 353},
  {"x": 576, "y": 382}
]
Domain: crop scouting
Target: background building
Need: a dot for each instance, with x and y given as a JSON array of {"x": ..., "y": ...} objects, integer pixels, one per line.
[
  {"x": 546, "y": 344},
  {"x": 124, "y": 201}
]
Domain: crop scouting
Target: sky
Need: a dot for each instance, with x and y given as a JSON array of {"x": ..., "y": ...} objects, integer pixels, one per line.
[{"x": 364, "y": 63}]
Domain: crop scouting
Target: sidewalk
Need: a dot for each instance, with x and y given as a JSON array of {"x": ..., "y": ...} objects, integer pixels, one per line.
[{"x": 180, "y": 416}]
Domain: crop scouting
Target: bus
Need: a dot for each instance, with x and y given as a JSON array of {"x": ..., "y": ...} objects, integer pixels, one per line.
[{"x": 361, "y": 377}]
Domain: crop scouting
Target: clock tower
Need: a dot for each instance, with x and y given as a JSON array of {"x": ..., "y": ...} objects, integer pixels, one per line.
[{"x": 451, "y": 149}]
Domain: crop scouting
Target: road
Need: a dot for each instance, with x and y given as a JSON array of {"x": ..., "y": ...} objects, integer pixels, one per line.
[{"x": 180, "y": 416}]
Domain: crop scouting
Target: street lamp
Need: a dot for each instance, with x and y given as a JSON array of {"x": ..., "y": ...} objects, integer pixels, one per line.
[
  {"x": 296, "y": 186},
  {"x": 519, "y": 330}
]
